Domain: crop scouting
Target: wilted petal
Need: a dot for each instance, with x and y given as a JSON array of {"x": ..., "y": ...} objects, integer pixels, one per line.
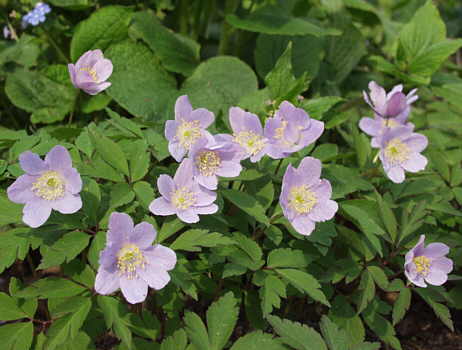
[{"x": 134, "y": 290}]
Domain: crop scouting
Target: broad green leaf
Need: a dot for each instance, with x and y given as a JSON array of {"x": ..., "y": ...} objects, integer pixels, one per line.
[
  {"x": 257, "y": 341},
  {"x": 316, "y": 107},
  {"x": 169, "y": 228},
  {"x": 249, "y": 246},
  {"x": 335, "y": 338},
  {"x": 381, "y": 327},
  {"x": 246, "y": 203},
  {"x": 305, "y": 283},
  {"x": 17, "y": 336},
  {"x": 177, "y": 53},
  {"x": 124, "y": 124},
  {"x": 296, "y": 335},
  {"x": 14, "y": 244},
  {"x": 9, "y": 308},
  {"x": 139, "y": 164},
  {"x": 286, "y": 257},
  {"x": 177, "y": 341},
  {"x": 144, "y": 193},
  {"x": 366, "y": 290},
  {"x": 104, "y": 27},
  {"x": 197, "y": 332},
  {"x": 401, "y": 304},
  {"x": 343, "y": 314},
  {"x": 271, "y": 293},
  {"x": 72, "y": 4},
  {"x": 219, "y": 83},
  {"x": 379, "y": 277},
  {"x": 193, "y": 240},
  {"x": 114, "y": 312},
  {"x": 388, "y": 217},
  {"x": 140, "y": 84},
  {"x": 51, "y": 287},
  {"x": 121, "y": 194},
  {"x": 221, "y": 319},
  {"x": 95, "y": 103}
]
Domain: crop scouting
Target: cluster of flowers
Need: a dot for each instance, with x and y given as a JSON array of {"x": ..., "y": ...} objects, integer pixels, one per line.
[
  {"x": 130, "y": 261},
  {"x": 399, "y": 145},
  {"x": 37, "y": 15}
]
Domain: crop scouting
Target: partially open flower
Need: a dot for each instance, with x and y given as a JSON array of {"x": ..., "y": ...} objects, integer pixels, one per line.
[
  {"x": 91, "y": 72},
  {"x": 428, "y": 264},
  {"x": 130, "y": 261},
  {"x": 46, "y": 185}
]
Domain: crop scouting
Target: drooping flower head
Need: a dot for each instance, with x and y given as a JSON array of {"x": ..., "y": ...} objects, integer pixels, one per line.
[
  {"x": 212, "y": 159},
  {"x": 247, "y": 134},
  {"x": 130, "y": 261},
  {"x": 305, "y": 198},
  {"x": 428, "y": 264},
  {"x": 37, "y": 15},
  {"x": 91, "y": 72},
  {"x": 290, "y": 130},
  {"x": 47, "y": 184},
  {"x": 187, "y": 128},
  {"x": 183, "y": 195},
  {"x": 400, "y": 151}
]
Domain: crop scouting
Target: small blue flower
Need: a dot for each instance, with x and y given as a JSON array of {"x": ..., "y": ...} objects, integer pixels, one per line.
[{"x": 37, "y": 15}]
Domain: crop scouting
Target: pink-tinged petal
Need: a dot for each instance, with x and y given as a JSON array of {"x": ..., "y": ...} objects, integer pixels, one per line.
[
  {"x": 162, "y": 257},
  {"x": 154, "y": 277},
  {"x": 395, "y": 174},
  {"x": 58, "y": 158},
  {"x": 370, "y": 126},
  {"x": 412, "y": 97},
  {"x": 209, "y": 182},
  {"x": 323, "y": 211},
  {"x": 442, "y": 264},
  {"x": 310, "y": 169},
  {"x": 183, "y": 108},
  {"x": 311, "y": 134},
  {"x": 205, "y": 210},
  {"x": 134, "y": 290},
  {"x": 205, "y": 197},
  {"x": 103, "y": 69},
  {"x": 436, "y": 277},
  {"x": 72, "y": 74},
  {"x": 303, "y": 225},
  {"x": 204, "y": 116},
  {"x": 415, "y": 163},
  {"x": 89, "y": 59},
  {"x": 378, "y": 97},
  {"x": 229, "y": 169},
  {"x": 323, "y": 190},
  {"x": 396, "y": 88},
  {"x": 419, "y": 247},
  {"x": 183, "y": 175},
  {"x": 165, "y": 185},
  {"x": 176, "y": 150},
  {"x": 160, "y": 206},
  {"x": 396, "y": 104},
  {"x": 36, "y": 213},
  {"x": 143, "y": 235},
  {"x": 73, "y": 180},
  {"x": 69, "y": 204},
  {"x": 417, "y": 142},
  {"x": 435, "y": 250},
  {"x": 120, "y": 226},
  {"x": 31, "y": 163},
  {"x": 170, "y": 129},
  {"x": 20, "y": 191},
  {"x": 106, "y": 282},
  {"x": 101, "y": 87},
  {"x": 189, "y": 216}
]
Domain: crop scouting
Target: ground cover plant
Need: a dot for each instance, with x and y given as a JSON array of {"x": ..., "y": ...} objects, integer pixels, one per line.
[{"x": 237, "y": 174}]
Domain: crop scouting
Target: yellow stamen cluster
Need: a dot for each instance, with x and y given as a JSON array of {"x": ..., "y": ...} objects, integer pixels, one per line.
[
  {"x": 390, "y": 123},
  {"x": 91, "y": 72},
  {"x": 129, "y": 259},
  {"x": 422, "y": 265},
  {"x": 183, "y": 198},
  {"x": 188, "y": 133},
  {"x": 279, "y": 132},
  {"x": 208, "y": 162},
  {"x": 302, "y": 199},
  {"x": 250, "y": 141},
  {"x": 396, "y": 151},
  {"x": 49, "y": 186}
]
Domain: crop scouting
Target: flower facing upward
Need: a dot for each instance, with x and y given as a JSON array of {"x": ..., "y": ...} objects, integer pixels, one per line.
[
  {"x": 427, "y": 264},
  {"x": 290, "y": 130},
  {"x": 305, "y": 198},
  {"x": 400, "y": 150},
  {"x": 183, "y": 195},
  {"x": 91, "y": 72},
  {"x": 46, "y": 185},
  {"x": 130, "y": 261},
  {"x": 187, "y": 128},
  {"x": 212, "y": 159}
]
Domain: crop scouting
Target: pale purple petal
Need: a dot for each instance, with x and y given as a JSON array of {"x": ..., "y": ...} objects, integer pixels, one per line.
[
  {"x": 396, "y": 104},
  {"x": 415, "y": 163},
  {"x": 20, "y": 191},
  {"x": 209, "y": 182},
  {"x": 323, "y": 190},
  {"x": 170, "y": 129},
  {"x": 134, "y": 290},
  {"x": 312, "y": 133},
  {"x": 143, "y": 235},
  {"x": 303, "y": 225},
  {"x": 435, "y": 250},
  {"x": 378, "y": 97},
  {"x": 395, "y": 174},
  {"x": 68, "y": 204},
  {"x": 208, "y": 209},
  {"x": 324, "y": 210},
  {"x": 165, "y": 185},
  {"x": 162, "y": 257},
  {"x": 73, "y": 180},
  {"x": 436, "y": 277},
  {"x": 106, "y": 282},
  {"x": 183, "y": 175},
  {"x": 310, "y": 169},
  {"x": 120, "y": 226},
  {"x": 205, "y": 197},
  {"x": 229, "y": 169},
  {"x": 155, "y": 278},
  {"x": 241, "y": 120},
  {"x": 89, "y": 58},
  {"x": 417, "y": 142},
  {"x": 417, "y": 279},
  {"x": 204, "y": 116},
  {"x": 108, "y": 257},
  {"x": 370, "y": 126},
  {"x": 176, "y": 150},
  {"x": 183, "y": 108},
  {"x": 31, "y": 163},
  {"x": 103, "y": 68},
  {"x": 72, "y": 74},
  {"x": 442, "y": 264},
  {"x": 189, "y": 216},
  {"x": 58, "y": 158},
  {"x": 160, "y": 206},
  {"x": 394, "y": 90},
  {"x": 36, "y": 212}
]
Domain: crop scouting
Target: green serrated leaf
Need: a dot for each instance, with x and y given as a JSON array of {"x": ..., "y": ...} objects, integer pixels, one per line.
[
  {"x": 271, "y": 293},
  {"x": 193, "y": 240},
  {"x": 257, "y": 341},
  {"x": 246, "y": 203},
  {"x": 17, "y": 336},
  {"x": 197, "y": 332},
  {"x": 286, "y": 257},
  {"x": 221, "y": 320}
]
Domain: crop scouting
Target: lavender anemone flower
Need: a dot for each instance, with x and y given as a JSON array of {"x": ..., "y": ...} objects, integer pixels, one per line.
[
  {"x": 187, "y": 128},
  {"x": 130, "y": 261},
  {"x": 428, "y": 264},
  {"x": 183, "y": 195},
  {"x": 291, "y": 130},
  {"x": 46, "y": 185},
  {"x": 214, "y": 159},
  {"x": 91, "y": 72},
  {"x": 247, "y": 134},
  {"x": 305, "y": 198},
  {"x": 400, "y": 150}
]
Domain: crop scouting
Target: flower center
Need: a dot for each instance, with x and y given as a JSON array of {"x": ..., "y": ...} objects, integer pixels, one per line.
[
  {"x": 188, "y": 133},
  {"x": 422, "y": 265},
  {"x": 208, "y": 162},
  {"x": 396, "y": 151},
  {"x": 279, "y": 132},
  {"x": 183, "y": 198},
  {"x": 91, "y": 72},
  {"x": 390, "y": 123},
  {"x": 49, "y": 186},
  {"x": 302, "y": 199},
  {"x": 129, "y": 258},
  {"x": 250, "y": 141}
]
